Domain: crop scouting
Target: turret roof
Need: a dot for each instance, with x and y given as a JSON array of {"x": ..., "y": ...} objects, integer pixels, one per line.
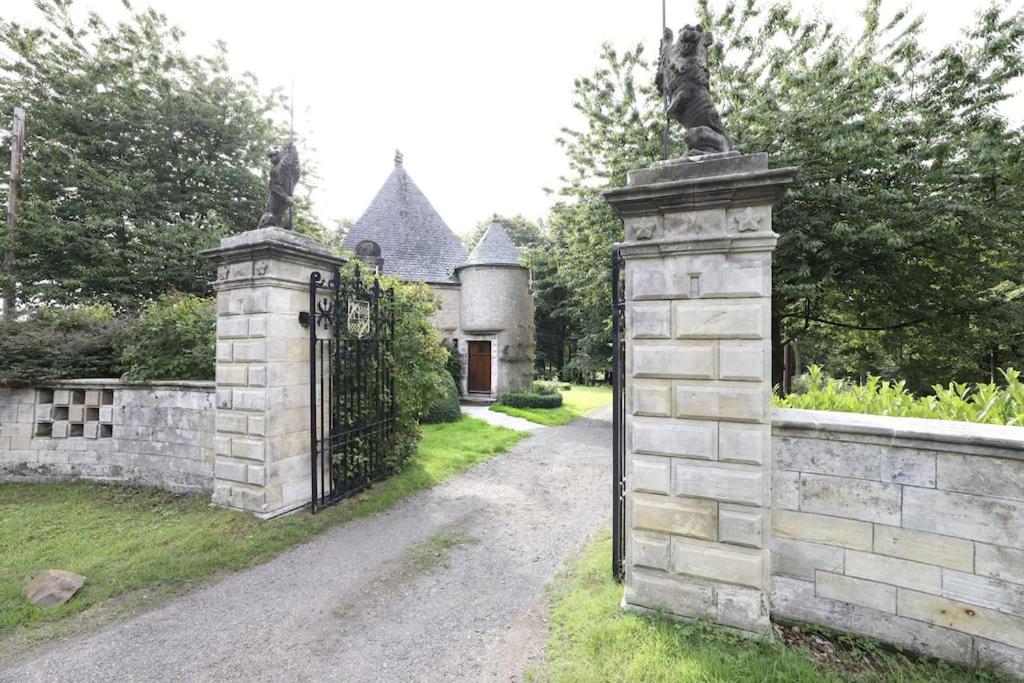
[
  {"x": 494, "y": 248},
  {"x": 416, "y": 244}
]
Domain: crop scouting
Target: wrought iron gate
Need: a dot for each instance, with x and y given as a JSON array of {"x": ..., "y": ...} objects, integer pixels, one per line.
[
  {"x": 351, "y": 384},
  {"x": 618, "y": 416}
]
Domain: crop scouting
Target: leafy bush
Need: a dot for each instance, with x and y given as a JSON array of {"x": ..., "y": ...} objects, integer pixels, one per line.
[
  {"x": 528, "y": 398},
  {"x": 986, "y": 403},
  {"x": 54, "y": 343},
  {"x": 445, "y": 406},
  {"x": 550, "y": 386},
  {"x": 454, "y": 366},
  {"x": 173, "y": 338},
  {"x": 420, "y": 372}
]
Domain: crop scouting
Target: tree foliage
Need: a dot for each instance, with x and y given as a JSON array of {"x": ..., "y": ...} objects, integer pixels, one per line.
[
  {"x": 523, "y": 232},
  {"x": 173, "y": 338},
  {"x": 138, "y": 156},
  {"x": 899, "y": 239}
]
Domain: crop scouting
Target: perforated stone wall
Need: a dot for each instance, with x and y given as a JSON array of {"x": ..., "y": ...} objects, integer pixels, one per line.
[{"x": 158, "y": 433}]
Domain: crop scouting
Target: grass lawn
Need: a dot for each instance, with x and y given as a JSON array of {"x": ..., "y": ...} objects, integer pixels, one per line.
[
  {"x": 141, "y": 543},
  {"x": 592, "y": 639},
  {"x": 575, "y": 402}
]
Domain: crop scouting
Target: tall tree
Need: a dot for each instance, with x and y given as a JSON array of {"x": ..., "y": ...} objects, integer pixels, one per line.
[
  {"x": 521, "y": 230},
  {"x": 902, "y": 228},
  {"x": 139, "y": 155}
]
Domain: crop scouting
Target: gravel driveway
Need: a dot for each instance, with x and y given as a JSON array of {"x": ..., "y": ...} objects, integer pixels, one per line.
[{"x": 447, "y": 585}]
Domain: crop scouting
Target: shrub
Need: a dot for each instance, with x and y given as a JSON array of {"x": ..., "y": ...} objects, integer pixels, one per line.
[
  {"x": 528, "y": 398},
  {"x": 546, "y": 388},
  {"x": 454, "y": 366},
  {"x": 987, "y": 403},
  {"x": 173, "y": 338},
  {"x": 549, "y": 385},
  {"x": 420, "y": 372},
  {"x": 445, "y": 406},
  {"x": 51, "y": 344}
]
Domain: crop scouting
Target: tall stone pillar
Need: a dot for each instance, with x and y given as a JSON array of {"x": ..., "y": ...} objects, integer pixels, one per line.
[
  {"x": 698, "y": 257},
  {"x": 262, "y": 462}
]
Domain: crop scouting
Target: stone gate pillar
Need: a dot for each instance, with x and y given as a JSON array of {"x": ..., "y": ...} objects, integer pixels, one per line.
[
  {"x": 698, "y": 255},
  {"x": 262, "y": 461}
]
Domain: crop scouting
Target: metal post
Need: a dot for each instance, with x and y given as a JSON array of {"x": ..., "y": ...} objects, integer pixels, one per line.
[
  {"x": 314, "y": 464},
  {"x": 10, "y": 263}
]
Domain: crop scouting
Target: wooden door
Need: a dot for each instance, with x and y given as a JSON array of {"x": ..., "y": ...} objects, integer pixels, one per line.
[{"x": 479, "y": 379}]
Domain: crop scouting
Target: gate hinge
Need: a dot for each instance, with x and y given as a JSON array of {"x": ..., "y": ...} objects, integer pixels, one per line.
[{"x": 304, "y": 318}]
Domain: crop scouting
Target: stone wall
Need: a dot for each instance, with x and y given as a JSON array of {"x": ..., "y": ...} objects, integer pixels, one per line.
[
  {"x": 497, "y": 306},
  {"x": 447, "y": 315},
  {"x": 909, "y": 531},
  {"x": 158, "y": 433}
]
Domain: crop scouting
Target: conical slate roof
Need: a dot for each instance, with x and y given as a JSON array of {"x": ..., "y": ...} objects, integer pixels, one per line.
[
  {"x": 494, "y": 248},
  {"x": 414, "y": 240}
]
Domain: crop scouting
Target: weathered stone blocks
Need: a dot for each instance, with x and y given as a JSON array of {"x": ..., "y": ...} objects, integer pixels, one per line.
[
  {"x": 715, "y": 320},
  {"x": 919, "y": 546},
  {"x": 651, "y": 474},
  {"x": 965, "y": 516},
  {"x": 694, "y": 360},
  {"x": 684, "y": 438},
  {"x": 262, "y": 397},
  {"x": 682, "y": 516},
  {"x": 851, "y": 498},
  {"x": 718, "y": 562},
  {"x": 837, "y": 531},
  {"x": 720, "y": 402},
  {"x": 723, "y": 482},
  {"x": 698, "y": 286},
  {"x": 879, "y": 596}
]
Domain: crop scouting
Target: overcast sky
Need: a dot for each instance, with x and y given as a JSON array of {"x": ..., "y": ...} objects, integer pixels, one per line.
[{"x": 473, "y": 92}]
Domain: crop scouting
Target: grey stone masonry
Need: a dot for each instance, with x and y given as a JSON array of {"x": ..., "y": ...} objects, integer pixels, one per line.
[
  {"x": 262, "y": 441},
  {"x": 152, "y": 433},
  {"x": 906, "y": 530},
  {"x": 697, "y": 255}
]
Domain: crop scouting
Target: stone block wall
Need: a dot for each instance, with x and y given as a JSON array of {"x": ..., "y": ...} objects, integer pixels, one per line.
[
  {"x": 697, "y": 260},
  {"x": 909, "y": 531},
  {"x": 262, "y": 443},
  {"x": 157, "y": 433},
  {"x": 697, "y": 432}
]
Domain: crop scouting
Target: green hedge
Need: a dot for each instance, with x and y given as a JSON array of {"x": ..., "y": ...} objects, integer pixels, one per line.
[
  {"x": 445, "y": 407},
  {"x": 49, "y": 344},
  {"x": 988, "y": 403},
  {"x": 529, "y": 398}
]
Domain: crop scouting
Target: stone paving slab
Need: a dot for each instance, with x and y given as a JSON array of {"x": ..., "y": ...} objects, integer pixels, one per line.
[{"x": 501, "y": 419}]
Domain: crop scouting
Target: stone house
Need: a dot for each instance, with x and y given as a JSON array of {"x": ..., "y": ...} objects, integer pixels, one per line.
[{"x": 486, "y": 306}]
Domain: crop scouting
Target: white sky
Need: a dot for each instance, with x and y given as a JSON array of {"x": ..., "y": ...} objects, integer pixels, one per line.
[{"x": 473, "y": 92}]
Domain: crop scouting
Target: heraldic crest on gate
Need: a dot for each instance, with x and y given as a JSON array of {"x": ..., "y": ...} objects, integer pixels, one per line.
[{"x": 351, "y": 384}]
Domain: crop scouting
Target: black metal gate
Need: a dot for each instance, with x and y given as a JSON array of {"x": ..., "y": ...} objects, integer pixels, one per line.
[
  {"x": 351, "y": 384},
  {"x": 618, "y": 416}
]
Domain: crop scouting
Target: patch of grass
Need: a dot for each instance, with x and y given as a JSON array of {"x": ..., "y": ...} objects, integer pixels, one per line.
[
  {"x": 141, "y": 543},
  {"x": 575, "y": 402},
  {"x": 427, "y": 556},
  {"x": 593, "y": 639}
]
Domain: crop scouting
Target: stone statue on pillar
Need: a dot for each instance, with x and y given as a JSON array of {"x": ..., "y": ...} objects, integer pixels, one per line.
[
  {"x": 683, "y": 80},
  {"x": 284, "y": 176}
]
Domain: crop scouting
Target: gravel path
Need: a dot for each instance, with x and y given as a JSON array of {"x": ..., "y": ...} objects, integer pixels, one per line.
[{"x": 447, "y": 585}]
